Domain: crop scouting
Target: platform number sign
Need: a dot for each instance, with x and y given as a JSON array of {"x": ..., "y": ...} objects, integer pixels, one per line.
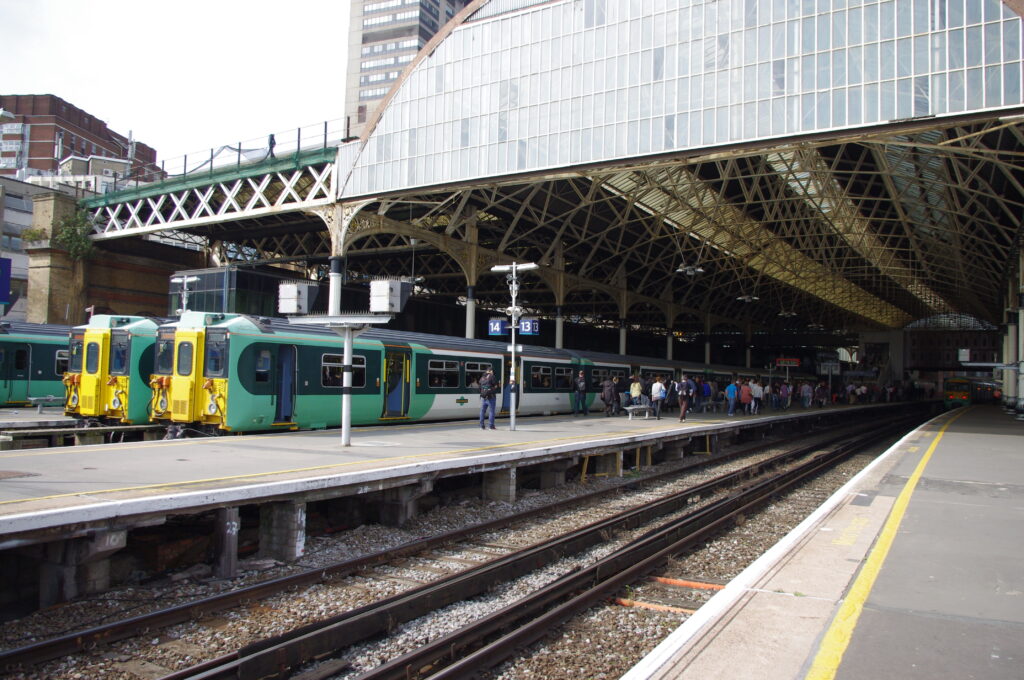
[
  {"x": 497, "y": 327},
  {"x": 529, "y": 327}
]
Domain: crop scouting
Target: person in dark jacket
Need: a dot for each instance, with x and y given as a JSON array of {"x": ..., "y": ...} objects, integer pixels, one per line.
[
  {"x": 579, "y": 387},
  {"x": 488, "y": 395},
  {"x": 610, "y": 397}
]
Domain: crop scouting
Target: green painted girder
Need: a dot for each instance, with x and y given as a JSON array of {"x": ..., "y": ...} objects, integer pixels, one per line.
[{"x": 292, "y": 161}]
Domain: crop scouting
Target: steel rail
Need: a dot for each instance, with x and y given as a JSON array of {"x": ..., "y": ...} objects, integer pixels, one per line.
[
  {"x": 276, "y": 656},
  {"x": 78, "y": 641},
  {"x": 548, "y": 607}
]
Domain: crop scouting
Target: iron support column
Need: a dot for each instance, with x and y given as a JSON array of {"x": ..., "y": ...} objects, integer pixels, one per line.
[
  {"x": 559, "y": 328},
  {"x": 622, "y": 336},
  {"x": 470, "y": 312}
]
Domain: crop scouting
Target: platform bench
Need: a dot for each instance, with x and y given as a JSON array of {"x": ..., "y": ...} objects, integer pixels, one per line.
[
  {"x": 48, "y": 400},
  {"x": 647, "y": 410}
]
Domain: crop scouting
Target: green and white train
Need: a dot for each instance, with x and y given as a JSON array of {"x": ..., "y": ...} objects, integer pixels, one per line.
[
  {"x": 221, "y": 373},
  {"x": 33, "y": 359}
]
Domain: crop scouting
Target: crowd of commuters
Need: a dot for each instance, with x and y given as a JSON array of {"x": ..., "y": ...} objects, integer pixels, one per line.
[{"x": 743, "y": 396}]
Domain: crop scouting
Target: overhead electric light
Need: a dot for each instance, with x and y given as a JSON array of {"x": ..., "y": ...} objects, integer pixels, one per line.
[
  {"x": 747, "y": 298},
  {"x": 690, "y": 269}
]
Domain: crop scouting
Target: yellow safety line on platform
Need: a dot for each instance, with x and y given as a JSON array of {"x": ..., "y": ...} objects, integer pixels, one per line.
[
  {"x": 837, "y": 637},
  {"x": 257, "y": 475}
]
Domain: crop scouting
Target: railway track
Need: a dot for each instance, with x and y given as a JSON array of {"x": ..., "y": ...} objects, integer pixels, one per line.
[{"x": 296, "y": 647}]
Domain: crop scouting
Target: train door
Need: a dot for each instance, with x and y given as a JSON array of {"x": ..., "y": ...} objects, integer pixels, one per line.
[
  {"x": 285, "y": 384},
  {"x": 183, "y": 386},
  {"x": 17, "y": 373},
  {"x": 396, "y": 383},
  {"x": 90, "y": 390}
]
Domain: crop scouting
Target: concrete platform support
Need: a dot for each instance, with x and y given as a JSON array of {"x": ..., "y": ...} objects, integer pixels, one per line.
[
  {"x": 500, "y": 485},
  {"x": 282, "y": 531},
  {"x": 225, "y": 543},
  {"x": 78, "y": 566},
  {"x": 553, "y": 474},
  {"x": 86, "y": 438},
  {"x": 401, "y": 504},
  {"x": 675, "y": 450},
  {"x": 609, "y": 465}
]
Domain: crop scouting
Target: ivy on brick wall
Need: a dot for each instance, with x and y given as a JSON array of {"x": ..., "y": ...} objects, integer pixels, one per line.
[{"x": 72, "y": 234}]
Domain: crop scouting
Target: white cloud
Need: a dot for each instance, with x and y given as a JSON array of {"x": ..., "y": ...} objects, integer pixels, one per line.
[{"x": 183, "y": 76}]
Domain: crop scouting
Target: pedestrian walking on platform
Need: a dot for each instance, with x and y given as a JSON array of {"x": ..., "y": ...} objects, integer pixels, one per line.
[
  {"x": 732, "y": 393},
  {"x": 657, "y": 396}
]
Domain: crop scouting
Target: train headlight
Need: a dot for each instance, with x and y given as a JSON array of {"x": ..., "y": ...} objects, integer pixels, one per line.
[
  {"x": 115, "y": 403},
  {"x": 212, "y": 408},
  {"x": 74, "y": 399},
  {"x": 162, "y": 403}
]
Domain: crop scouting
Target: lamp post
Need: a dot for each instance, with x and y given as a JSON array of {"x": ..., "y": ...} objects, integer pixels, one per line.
[
  {"x": 512, "y": 271},
  {"x": 184, "y": 281}
]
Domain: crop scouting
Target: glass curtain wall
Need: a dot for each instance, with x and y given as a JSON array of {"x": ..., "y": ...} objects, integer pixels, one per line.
[{"x": 589, "y": 80}]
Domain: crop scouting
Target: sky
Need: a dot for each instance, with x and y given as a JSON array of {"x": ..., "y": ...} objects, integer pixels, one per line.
[{"x": 183, "y": 76}]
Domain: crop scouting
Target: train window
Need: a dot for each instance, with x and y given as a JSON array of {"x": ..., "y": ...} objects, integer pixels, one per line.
[
  {"x": 540, "y": 377},
  {"x": 263, "y": 366},
  {"x": 214, "y": 363},
  {"x": 60, "y": 364},
  {"x": 474, "y": 370},
  {"x": 92, "y": 357},
  {"x": 331, "y": 374},
  {"x": 563, "y": 378},
  {"x": 618, "y": 373},
  {"x": 597, "y": 376},
  {"x": 164, "y": 364},
  {"x": 184, "y": 358},
  {"x": 75, "y": 346},
  {"x": 119, "y": 344},
  {"x": 442, "y": 373}
]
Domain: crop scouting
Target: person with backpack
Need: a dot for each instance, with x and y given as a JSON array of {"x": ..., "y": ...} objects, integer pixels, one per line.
[{"x": 488, "y": 391}]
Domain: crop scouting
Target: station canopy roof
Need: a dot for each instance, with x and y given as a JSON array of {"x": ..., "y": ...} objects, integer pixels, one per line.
[{"x": 545, "y": 132}]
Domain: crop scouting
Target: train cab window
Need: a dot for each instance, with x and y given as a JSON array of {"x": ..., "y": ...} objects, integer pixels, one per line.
[
  {"x": 540, "y": 377},
  {"x": 164, "y": 364},
  {"x": 215, "y": 362},
  {"x": 184, "y": 366},
  {"x": 474, "y": 370},
  {"x": 563, "y": 378},
  {"x": 75, "y": 347},
  {"x": 119, "y": 346},
  {"x": 60, "y": 362},
  {"x": 331, "y": 374},
  {"x": 92, "y": 357},
  {"x": 442, "y": 373}
]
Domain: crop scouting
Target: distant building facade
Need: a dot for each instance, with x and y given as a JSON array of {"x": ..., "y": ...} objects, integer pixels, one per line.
[
  {"x": 38, "y": 132},
  {"x": 384, "y": 37}
]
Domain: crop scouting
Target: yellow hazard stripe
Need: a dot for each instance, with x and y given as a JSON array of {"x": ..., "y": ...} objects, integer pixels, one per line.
[{"x": 838, "y": 636}]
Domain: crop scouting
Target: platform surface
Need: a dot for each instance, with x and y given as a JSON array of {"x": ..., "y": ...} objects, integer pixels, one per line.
[
  {"x": 913, "y": 570},
  {"x": 49, "y": 487}
]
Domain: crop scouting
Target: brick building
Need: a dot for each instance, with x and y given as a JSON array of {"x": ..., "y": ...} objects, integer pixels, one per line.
[{"x": 39, "y": 131}]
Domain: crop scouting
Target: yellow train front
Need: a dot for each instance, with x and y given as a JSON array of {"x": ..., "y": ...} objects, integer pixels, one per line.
[
  {"x": 110, "y": 359},
  {"x": 180, "y": 395}
]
